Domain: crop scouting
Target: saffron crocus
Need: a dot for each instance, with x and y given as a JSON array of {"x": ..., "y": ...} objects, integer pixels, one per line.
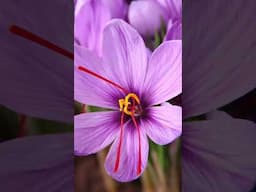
[
  {"x": 90, "y": 19},
  {"x": 146, "y": 16},
  {"x": 173, "y": 11},
  {"x": 132, "y": 87},
  {"x": 172, "y": 8},
  {"x": 34, "y": 80},
  {"x": 218, "y": 153},
  {"x": 211, "y": 153},
  {"x": 28, "y": 161}
]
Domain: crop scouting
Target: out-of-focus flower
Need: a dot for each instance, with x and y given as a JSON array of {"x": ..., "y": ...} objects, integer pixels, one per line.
[
  {"x": 37, "y": 163},
  {"x": 131, "y": 88},
  {"x": 218, "y": 153},
  {"x": 173, "y": 11},
  {"x": 149, "y": 16},
  {"x": 146, "y": 16},
  {"x": 172, "y": 8},
  {"x": 34, "y": 80},
  {"x": 90, "y": 18}
]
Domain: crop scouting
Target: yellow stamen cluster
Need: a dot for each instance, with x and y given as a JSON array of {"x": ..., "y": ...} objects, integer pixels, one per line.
[{"x": 124, "y": 103}]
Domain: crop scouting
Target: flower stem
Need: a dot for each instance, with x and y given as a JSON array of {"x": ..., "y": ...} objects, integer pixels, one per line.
[
  {"x": 161, "y": 155},
  {"x": 162, "y": 184},
  {"x": 175, "y": 167},
  {"x": 147, "y": 185},
  {"x": 110, "y": 184}
]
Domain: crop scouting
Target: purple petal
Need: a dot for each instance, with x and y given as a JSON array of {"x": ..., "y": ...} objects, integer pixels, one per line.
[
  {"x": 89, "y": 89},
  {"x": 165, "y": 123},
  {"x": 34, "y": 80},
  {"x": 118, "y": 8},
  {"x": 220, "y": 68},
  {"x": 94, "y": 131},
  {"x": 78, "y": 4},
  {"x": 172, "y": 7},
  {"x": 219, "y": 154},
  {"x": 129, "y": 158},
  {"x": 164, "y": 80},
  {"x": 90, "y": 20},
  {"x": 124, "y": 52},
  {"x": 146, "y": 16},
  {"x": 28, "y": 161},
  {"x": 174, "y": 31}
]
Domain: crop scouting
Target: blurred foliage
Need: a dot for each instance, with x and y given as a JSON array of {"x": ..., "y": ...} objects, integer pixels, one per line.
[
  {"x": 162, "y": 153},
  {"x": 9, "y": 124},
  {"x": 243, "y": 108},
  {"x": 42, "y": 126}
]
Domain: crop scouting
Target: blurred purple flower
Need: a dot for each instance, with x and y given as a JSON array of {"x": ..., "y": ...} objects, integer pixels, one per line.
[
  {"x": 219, "y": 70},
  {"x": 37, "y": 163},
  {"x": 34, "y": 80},
  {"x": 90, "y": 18},
  {"x": 144, "y": 84},
  {"x": 146, "y": 16},
  {"x": 218, "y": 153},
  {"x": 172, "y": 8}
]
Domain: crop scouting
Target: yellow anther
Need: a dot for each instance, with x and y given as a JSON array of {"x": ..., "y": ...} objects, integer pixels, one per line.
[
  {"x": 132, "y": 95},
  {"x": 124, "y": 103},
  {"x": 121, "y": 104}
]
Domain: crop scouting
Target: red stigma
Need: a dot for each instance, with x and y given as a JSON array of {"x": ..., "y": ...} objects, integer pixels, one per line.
[
  {"x": 39, "y": 40},
  {"x": 138, "y": 129},
  {"x": 81, "y": 68},
  {"x": 119, "y": 144}
]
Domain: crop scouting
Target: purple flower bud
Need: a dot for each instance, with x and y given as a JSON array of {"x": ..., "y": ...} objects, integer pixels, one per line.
[{"x": 146, "y": 16}]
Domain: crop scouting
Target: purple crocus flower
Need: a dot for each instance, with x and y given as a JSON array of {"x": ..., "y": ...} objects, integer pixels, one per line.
[
  {"x": 173, "y": 11},
  {"x": 28, "y": 161},
  {"x": 34, "y": 80},
  {"x": 218, "y": 154},
  {"x": 172, "y": 8},
  {"x": 131, "y": 86},
  {"x": 90, "y": 19},
  {"x": 146, "y": 16}
]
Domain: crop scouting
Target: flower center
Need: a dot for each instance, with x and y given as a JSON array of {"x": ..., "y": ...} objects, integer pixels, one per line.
[{"x": 130, "y": 105}]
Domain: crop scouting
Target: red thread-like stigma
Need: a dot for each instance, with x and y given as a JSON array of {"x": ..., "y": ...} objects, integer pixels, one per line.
[
  {"x": 81, "y": 68},
  {"x": 138, "y": 129},
  {"x": 39, "y": 40},
  {"x": 119, "y": 144}
]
